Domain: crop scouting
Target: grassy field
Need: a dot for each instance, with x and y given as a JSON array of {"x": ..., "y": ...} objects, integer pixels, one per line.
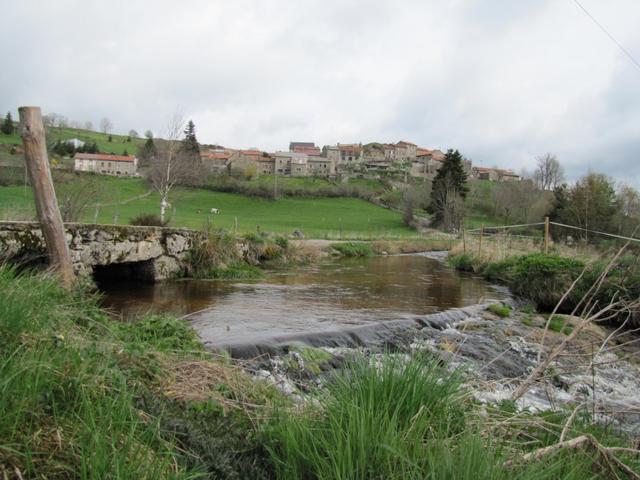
[
  {"x": 315, "y": 217},
  {"x": 118, "y": 144}
]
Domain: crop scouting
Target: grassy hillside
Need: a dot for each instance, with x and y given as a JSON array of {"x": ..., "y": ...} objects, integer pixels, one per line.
[
  {"x": 118, "y": 143},
  {"x": 316, "y": 217}
]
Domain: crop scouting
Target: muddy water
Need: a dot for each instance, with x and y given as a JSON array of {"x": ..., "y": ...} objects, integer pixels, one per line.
[{"x": 333, "y": 295}]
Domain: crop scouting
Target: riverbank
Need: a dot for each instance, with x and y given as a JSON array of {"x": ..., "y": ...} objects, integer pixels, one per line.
[
  {"x": 560, "y": 281},
  {"x": 221, "y": 255},
  {"x": 85, "y": 395}
]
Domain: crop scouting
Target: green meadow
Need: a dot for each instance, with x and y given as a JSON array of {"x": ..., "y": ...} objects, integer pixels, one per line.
[{"x": 123, "y": 199}]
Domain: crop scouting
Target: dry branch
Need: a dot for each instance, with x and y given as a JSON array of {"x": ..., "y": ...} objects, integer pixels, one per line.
[{"x": 577, "y": 443}]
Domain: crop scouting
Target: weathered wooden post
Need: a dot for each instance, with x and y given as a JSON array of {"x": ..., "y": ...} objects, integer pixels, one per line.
[
  {"x": 35, "y": 155},
  {"x": 464, "y": 239},
  {"x": 546, "y": 235},
  {"x": 480, "y": 242}
]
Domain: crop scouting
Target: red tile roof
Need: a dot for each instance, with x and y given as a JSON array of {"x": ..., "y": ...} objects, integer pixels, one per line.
[
  {"x": 251, "y": 152},
  {"x": 403, "y": 142},
  {"x": 309, "y": 150},
  {"x": 215, "y": 155},
  {"x": 105, "y": 157},
  {"x": 350, "y": 147}
]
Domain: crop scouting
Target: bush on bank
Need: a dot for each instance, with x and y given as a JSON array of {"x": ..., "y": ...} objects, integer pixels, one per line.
[
  {"x": 219, "y": 255},
  {"x": 544, "y": 279}
]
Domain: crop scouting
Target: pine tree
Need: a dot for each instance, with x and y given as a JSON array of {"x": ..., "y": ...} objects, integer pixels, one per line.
[
  {"x": 147, "y": 151},
  {"x": 448, "y": 191},
  {"x": 7, "y": 126},
  {"x": 190, "y": 142}
]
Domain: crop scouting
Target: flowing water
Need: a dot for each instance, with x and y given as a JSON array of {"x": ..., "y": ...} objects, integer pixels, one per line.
[
  {"x": 408, "y": 302},
  {"x": 334, "y": 295}
]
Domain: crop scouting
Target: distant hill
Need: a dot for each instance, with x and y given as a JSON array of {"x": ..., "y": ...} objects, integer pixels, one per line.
[{"x": 118, "y": 144}]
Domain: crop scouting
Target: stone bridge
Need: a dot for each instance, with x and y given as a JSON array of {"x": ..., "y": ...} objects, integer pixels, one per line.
[{"x": 142, "y": 253}]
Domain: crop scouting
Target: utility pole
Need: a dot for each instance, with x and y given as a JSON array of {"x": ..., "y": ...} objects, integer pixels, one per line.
[{"x": 35, "y": 155}]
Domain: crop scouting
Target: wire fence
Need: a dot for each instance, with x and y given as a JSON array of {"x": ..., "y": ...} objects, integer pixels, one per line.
[{"x": 536, "y": 233}]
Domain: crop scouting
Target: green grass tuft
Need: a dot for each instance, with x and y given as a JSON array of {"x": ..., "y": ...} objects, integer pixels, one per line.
[
  {"x": 500, "y": 310},
  {"x": 560, "y": 324},
  {"x": 353, "y": 249}
]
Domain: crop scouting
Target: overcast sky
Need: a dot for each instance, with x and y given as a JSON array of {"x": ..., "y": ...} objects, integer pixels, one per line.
[{"x": 501, "y": 80}]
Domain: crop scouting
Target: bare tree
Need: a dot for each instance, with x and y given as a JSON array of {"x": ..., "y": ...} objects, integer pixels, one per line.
[
  {"x": 88, "y": 125},
  {"x": 520, "y": 201},
  {"x": 171, "y": 166},
  {"x": 549, "y": 173},
  {"x": 76, "y": 197},
  {"x": 133, "y": 133},
  {"x": 63, "y": 122},
  {"x": 628, "y": 200},
  {"x": 105, "y": 125}
]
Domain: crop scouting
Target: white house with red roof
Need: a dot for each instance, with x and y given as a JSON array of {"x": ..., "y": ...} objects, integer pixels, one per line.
[{"x": 117, "y": 165}]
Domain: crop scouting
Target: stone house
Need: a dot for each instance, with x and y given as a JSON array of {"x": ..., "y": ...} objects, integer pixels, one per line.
[
  {"x": 117, "y": 165},
  {"x": 405, "y": 151},
  {"x": 217, "y": 161},
  {"x": 350, "y": 152},
  {"x": 331, "y": 153},
  {"x": 299, "y": 165},
  {"x": 495, "y": 174},
  {"x": 389, "y": 151},
  {"x": 320, "y": 167},
  {"x": 245, "y": 159},
  {"x": 265, "y": 165},
  {"x": 291, "y": 163}
]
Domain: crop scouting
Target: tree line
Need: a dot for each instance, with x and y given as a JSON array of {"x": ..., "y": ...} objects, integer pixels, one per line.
[{"x": 594, "y": 202}]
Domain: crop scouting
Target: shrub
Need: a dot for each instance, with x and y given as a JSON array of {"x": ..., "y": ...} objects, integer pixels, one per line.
[
  {"x": 500, "y": 310},
  {"x": 282, "y": 242},
  {"x": 147, "y": 220},
  {"x": 543, "y": 278},
  {"x": 271, "y": 252},
  {"x": 499, "y": 271},
  {"x": 253, "y": 238},
  {"x": 463, "y": 262},
  {"x": 353, "y": 249},
  {"x": 217, "y": 250}
]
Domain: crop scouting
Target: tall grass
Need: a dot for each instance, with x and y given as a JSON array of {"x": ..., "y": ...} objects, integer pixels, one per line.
[
  {"x": 66, "y": 406},
  {"x": 399, "y": 418},
  {"x": 372, "y": 422}
]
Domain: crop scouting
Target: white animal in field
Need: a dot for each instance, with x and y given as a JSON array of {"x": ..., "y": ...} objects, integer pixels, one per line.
[{"x": 215, "y": 211}]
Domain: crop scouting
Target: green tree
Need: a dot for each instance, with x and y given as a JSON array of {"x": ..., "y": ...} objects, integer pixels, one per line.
[
  {"x": 7, "y": 126},
  {"x": 148, "y": 150},
  {"x": 590, "y": 204},
  {"x": 448, "y": 191},
  {"x": 190, "y": 142}
]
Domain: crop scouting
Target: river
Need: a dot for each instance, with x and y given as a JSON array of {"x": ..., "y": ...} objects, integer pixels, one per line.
[{"x": 332, "y": 295}]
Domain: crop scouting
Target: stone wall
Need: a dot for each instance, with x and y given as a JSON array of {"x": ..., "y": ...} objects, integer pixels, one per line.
[{"x": 163, "y": 250}]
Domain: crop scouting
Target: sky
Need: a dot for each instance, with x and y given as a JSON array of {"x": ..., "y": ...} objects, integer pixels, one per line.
[{"x": 503, "y": 81}]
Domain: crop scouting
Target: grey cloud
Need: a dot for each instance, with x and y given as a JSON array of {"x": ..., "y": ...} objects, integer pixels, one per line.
[{"x": 503, "y": 81}]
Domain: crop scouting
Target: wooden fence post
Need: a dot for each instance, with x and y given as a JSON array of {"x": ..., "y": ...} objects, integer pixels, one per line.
[
  {"x": 480, "y": 242},
  {"x": 35, "y": 154},
  {"x": 546, "y": 235},
  {"x": 464, "y": 240}
]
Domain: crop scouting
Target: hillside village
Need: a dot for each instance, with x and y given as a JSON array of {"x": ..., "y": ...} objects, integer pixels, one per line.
[{"x": 305, "y": 159}]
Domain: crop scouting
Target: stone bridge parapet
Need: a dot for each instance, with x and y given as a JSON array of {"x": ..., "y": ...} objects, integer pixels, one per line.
[{"x": 158, "y": 252}]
